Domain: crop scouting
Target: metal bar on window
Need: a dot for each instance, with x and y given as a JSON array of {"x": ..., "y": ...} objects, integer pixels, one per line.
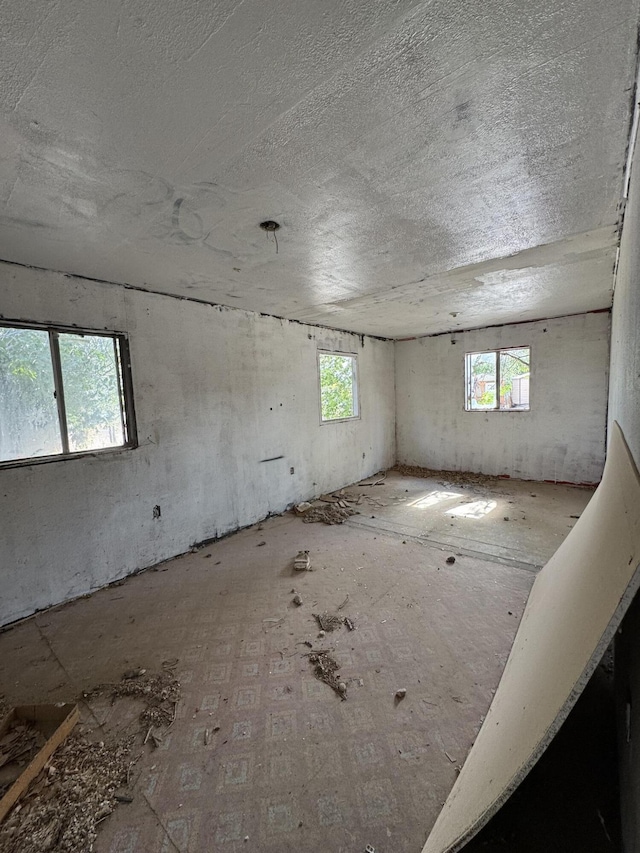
[
  {"x": 59, "y": 390},
  {"x": 127, "y": 388},
  {"x": 355, "y": 405},
  {"x": 497, "y": 405},
  {"x": 118, "y": 363}
]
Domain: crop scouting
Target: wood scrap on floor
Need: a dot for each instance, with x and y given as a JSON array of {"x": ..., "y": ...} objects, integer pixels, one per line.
[
  {"x": 85, "y": 780},
  {"x": 18, "y": 745},
  {"x": 34, "y": 732},
  {"x": 69, "y": 798}
]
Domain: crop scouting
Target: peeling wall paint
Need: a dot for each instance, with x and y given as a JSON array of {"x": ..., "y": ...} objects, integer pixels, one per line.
[
  {"x": 216, "y": 392},
  {"x": 562, "y": 437}
]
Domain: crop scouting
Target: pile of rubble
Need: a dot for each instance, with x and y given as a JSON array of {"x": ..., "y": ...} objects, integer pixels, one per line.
[
  {"x": 86, "y": 778},
  {"x": 455, "y": 478}
]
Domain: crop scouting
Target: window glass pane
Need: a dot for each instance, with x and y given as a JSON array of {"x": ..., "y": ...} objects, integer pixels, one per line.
[
  {"x": 29, "y": 424},
  {"x": 514, "y": 378},
  {"x": 337, "y": 387},
  {"x": 481, "y": 380},
  {"x": 90, "y": 378}
]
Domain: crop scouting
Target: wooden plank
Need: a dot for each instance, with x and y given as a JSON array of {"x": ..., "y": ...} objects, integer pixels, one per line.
[
  {"x": 574, "y": 609},
  {"x": 68, "y": 715}
]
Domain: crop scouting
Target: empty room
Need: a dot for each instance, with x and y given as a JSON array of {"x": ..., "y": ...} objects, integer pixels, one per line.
[{"x": 319, "y": 427}]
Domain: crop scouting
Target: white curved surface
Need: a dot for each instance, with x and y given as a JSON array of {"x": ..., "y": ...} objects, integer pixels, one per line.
[{"x": 575, "y": 606}]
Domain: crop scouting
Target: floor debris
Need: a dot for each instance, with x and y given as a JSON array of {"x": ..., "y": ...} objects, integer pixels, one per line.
[
  {"x": 451, "y": 560},
  {"x": 328, "y": 621},
  {"x": 401, "y": 693},
  {"x": 349, "y": 624},
  {"x": 325, "y": 668},
  {"x": 379, "y": 482},
  {"x": 86, "y": 779},
  {"x": 62, "y": 808},
  {"x": 17, "y": 747},
  {"x": 457, "y": 478},
  {"x": 330, "y": 514},
  {"x": 133, "y": 673},
  {"x": 301, "y": 562},
  {"x": 297, "y": 600},
  {"x": 123, "y": 798},
  {"x": 160, "y": 694}
]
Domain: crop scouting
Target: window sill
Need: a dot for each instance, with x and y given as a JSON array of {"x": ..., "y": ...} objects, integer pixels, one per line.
[
  {"x": 66, "y": 457},
  {"x": 340, "y": 420}
]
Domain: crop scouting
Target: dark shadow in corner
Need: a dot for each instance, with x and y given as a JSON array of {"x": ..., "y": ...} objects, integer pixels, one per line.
[{"x": 569, "y": 802}]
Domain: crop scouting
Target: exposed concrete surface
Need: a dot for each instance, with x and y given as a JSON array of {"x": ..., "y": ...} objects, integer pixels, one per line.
[
  {"x": 404, "y": 146},
  {"x": 624, "y": 407},
  {"x": 560, "y": 439},
  {"x": 216, "y": 391},
  {"x": 512, "y": 521}
]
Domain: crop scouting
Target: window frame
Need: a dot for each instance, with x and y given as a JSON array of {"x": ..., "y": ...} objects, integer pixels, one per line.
[
  {"x": 497, "y": 352},
  {"x": 356, "y": 387},
  {"x": 125, "y": 384}
]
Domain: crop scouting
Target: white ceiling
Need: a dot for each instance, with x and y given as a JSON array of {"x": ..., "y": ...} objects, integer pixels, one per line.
[{"x": 424, "y": 159}]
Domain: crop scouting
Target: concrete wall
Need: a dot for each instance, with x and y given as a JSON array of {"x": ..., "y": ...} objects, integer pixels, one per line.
[
  {"x": 562, "y": 437},
  {"x": 624, "y": 407},
  {"x": 216, "y": 390}
]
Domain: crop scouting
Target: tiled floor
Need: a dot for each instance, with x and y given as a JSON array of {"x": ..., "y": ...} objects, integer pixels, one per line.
[{"x": 293, "y": 767}]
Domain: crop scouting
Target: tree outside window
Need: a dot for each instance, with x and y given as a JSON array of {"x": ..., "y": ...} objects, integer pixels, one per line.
[
  {"x": 498, "y": 380},
  {"x": 338, "y": 386}
]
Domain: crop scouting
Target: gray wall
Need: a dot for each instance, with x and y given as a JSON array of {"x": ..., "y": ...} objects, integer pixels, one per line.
[
  {"x": 560, "y": 439},
  {"x": 624, "y": 407},
  {"x": 216, "y": 390}
]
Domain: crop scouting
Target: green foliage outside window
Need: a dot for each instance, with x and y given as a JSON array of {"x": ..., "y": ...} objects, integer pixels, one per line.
[
  {"x": 92, "y": 396},
  {"x": 29, "y": 418},
  {"x": 482, "y": 370},
  {"x": 337, "y": 386}
]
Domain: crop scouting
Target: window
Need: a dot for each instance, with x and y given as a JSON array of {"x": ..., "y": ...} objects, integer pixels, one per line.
[
  {"x": 505, "y": 369},
  {"x": 62, "y": 392},
  {"x": 338, "y": 386}
]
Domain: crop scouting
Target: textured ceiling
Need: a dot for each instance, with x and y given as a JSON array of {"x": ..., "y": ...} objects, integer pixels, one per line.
[{"x": 424, "y": 159}]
